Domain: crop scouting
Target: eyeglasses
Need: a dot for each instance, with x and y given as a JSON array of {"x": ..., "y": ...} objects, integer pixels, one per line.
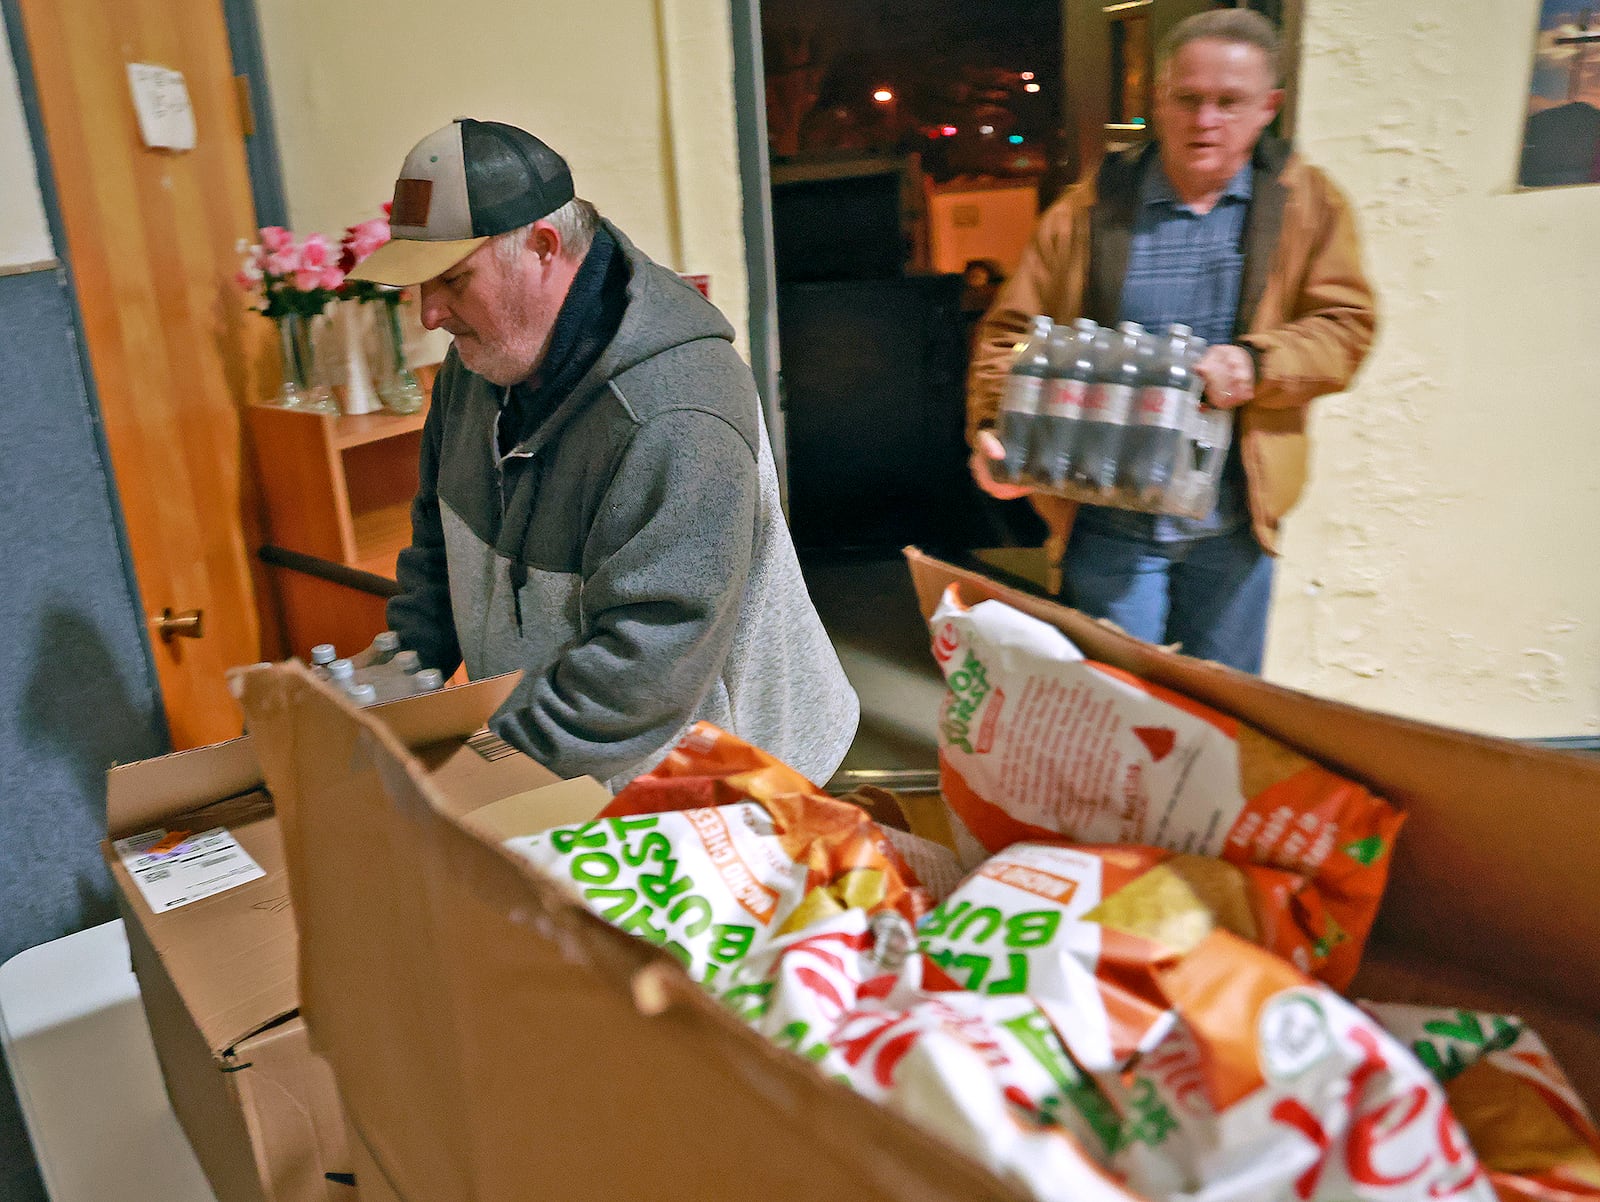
[{"x": 1228, "y": 104}]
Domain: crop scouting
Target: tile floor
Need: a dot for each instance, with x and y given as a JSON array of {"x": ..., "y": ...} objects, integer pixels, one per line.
[{"x": 870, "y": 611}]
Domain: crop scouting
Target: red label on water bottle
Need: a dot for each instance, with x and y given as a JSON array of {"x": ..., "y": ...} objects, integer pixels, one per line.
[
  {"x": 1065, "y": 399},
  {"x": 1022, "y": 394},
  {"x": 1109, "y": 403},
  {"x": 1163, "y": 407}
]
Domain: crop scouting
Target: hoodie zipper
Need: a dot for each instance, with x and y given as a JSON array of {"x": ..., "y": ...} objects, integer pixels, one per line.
[{"x": 516, "y": 570}]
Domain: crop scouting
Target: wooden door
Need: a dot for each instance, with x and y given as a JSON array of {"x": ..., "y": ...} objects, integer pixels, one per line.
[{"x": 151, "y": 239}]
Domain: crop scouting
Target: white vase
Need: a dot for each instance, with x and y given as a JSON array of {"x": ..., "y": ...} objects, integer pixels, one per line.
[{"x": 354, "y": 322}]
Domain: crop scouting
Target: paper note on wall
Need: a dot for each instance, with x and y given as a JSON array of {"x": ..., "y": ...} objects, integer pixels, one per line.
[{"x": 166, "y": 119}]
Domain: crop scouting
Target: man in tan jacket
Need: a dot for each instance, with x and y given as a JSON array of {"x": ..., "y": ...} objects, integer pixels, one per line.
[{"x": 1226, "y": 231}]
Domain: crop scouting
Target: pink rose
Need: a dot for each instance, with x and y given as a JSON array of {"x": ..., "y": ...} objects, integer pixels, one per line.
[
  {"x": 276, "y": 239},
  {"x": 332, "y": 279},
  {"x": 308, "y": 279},
  {"x": 367, "y": 237},
  {"x": 314, "y": 251},
  {"x": 282, "y": 263}
]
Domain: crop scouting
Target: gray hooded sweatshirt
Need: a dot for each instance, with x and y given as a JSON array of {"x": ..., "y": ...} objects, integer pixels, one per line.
[{"x": 629, "y": 556}]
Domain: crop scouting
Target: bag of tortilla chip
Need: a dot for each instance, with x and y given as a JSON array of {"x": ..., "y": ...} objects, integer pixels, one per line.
[
  {"x": 1229, "y": 1074},
  {"x": 987, "y": 1074},
  {"x": 1038, "y": 742},
  {"x": 720, "y": 849},
  {"x": 1527, "y": 1124}
]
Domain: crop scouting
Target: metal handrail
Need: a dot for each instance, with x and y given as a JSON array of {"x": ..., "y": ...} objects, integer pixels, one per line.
[{"x": 896, "y": 780}]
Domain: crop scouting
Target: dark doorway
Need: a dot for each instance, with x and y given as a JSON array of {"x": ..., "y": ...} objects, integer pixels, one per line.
[{"x": 911, "y": 145}]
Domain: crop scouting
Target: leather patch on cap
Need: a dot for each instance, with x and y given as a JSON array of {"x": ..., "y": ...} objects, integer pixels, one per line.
[{"x": 412, "y": 198}]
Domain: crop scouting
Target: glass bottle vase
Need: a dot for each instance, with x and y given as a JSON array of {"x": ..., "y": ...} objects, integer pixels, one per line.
[
  {"x": 398, "y": 386},
  {"x": 303, "y": 387}
]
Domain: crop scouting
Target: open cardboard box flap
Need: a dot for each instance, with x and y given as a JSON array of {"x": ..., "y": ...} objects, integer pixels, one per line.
[
  {"x": 233, "y": 956},
  {"x": 1494, "y": 895},
  {"x": 490, "y": 1035}
]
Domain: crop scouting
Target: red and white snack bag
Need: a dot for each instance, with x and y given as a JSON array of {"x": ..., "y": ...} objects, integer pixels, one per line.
[
  {"x": 1026, "y": 922},
  {"x": 1231, "y": 1074},
  {"x": 713, "y": 882},
  {"x": 988, "y": 1075},
  {"x": 1038, "y": 742},
  {"x": 1277, "y": 1088},
  {"x": 1532, "y": 1133}
]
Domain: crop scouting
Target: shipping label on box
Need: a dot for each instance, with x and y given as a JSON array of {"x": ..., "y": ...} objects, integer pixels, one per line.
[{"x": 174, "y": 868}]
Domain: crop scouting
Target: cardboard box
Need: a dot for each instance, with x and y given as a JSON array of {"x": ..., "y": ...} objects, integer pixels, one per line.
[
  {"x": 219, "y": 975},
  {"x": 494, "y": 1040},
  {"x": 1494, "y": 895},
  {"x": 970, "y": 219}
]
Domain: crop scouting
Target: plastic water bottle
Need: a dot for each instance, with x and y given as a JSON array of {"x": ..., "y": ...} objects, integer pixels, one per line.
[
  {"x": 384, "y": 648},
  {"x": 342, "y": 672},
  {"x": 322, "y": 655},
  {"x": 1162, "y": 417},
  {"x": 427, "y": 680},
  {"x": 361, "y": 694},
  {"x": 407, "y": 662},
  {"x": 1108, "y": 406},
  {"x": 1021, "y": 399},
  {"x": 1055, "y": 433}
]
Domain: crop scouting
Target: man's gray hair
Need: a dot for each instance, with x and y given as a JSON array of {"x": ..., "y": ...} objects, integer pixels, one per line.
[
  {"x": 576, "y": 222},
  {"x": 1227, "y": 25}
]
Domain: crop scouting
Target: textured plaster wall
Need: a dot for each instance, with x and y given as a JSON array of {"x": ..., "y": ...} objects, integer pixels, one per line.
[
  {"x": 1444, "y": 563},
  {"x": 637, "y": 94}
]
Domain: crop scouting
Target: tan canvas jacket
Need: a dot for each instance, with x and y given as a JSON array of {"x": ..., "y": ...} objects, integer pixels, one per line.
[{"x": 1304, "y": 303}]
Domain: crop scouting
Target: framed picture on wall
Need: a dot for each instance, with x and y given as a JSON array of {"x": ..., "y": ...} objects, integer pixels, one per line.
[
  {"x": 1132, "y": 66},
  {"x": 1561, "y": 140}
]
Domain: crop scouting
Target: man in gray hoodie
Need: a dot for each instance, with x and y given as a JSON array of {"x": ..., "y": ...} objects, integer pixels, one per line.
[{"x": 598, "y": 505}]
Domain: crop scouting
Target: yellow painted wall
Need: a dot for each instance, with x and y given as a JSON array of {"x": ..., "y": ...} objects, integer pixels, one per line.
[
  {"x": 24, "y": 234},
  {"x": 637, "y": 94},
  {"x": 1444, "y": 563}
]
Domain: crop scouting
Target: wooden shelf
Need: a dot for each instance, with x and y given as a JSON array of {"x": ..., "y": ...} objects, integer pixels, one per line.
[
  {"x": 356, "y": 431},
  {"x": 338, "y": 489},
  {"x": 380, "y": 535}
]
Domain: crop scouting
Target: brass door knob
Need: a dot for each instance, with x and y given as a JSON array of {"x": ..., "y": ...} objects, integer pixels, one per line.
[{"x": 185, "y": 625}]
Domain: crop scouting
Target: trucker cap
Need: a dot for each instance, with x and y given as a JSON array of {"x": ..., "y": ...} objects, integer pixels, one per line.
[{"x": 459, "y": 187}]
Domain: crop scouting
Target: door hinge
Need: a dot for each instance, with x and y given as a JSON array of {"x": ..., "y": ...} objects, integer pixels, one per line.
[{"x": 247, "y": 112}]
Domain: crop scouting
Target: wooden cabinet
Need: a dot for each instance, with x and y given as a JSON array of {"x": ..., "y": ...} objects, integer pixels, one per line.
[
  {"x": 339, "y": 488},
  {"x": 338, "y": 496}
]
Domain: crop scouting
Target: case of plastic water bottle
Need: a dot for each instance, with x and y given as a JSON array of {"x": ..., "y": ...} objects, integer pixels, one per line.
[
  {"x": 388, "y": 674},
  {"x": 1113, "y": 417}
]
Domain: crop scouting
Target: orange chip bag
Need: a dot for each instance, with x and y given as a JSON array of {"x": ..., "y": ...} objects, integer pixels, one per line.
[
  {"x": 849, "y": 860},
  {"x": 1038, "y": 742}
]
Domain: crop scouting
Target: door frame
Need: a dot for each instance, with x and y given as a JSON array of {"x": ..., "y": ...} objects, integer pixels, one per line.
[
  {"x": 755, "y": 186},
  {"x": 261, "y": 145},
  {"x": 44, "y": 169}
]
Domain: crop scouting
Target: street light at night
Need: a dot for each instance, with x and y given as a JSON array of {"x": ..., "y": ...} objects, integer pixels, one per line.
[{"x": 883, "y": 95}]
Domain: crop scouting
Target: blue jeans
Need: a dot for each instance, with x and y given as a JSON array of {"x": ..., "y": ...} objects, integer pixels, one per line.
[{"x": 1211, "y": 593}]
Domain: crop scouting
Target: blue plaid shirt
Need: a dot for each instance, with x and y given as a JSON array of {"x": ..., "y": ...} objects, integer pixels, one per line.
[{"x": 1184, "y": 267}]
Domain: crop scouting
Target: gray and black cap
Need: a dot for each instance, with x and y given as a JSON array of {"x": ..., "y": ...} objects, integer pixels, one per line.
[{"x": 459, "y": 187}]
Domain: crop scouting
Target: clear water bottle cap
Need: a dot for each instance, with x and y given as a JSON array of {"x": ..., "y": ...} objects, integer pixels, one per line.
[
  {"x": 1086, "y": 324},
  {"x": 362, "y": 694},
  {"x": 387, "y": 641},
  {"x": 407, "y": 661},
  {"x": 323, "y": 653},
  {"x": 1130, "y": 327},
  {"x": 1041, "y": 326},
  {"x": 429, "y": 679},
  {"x": 342, "y": 669},
  {"x": 1179, "y": 330}
]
